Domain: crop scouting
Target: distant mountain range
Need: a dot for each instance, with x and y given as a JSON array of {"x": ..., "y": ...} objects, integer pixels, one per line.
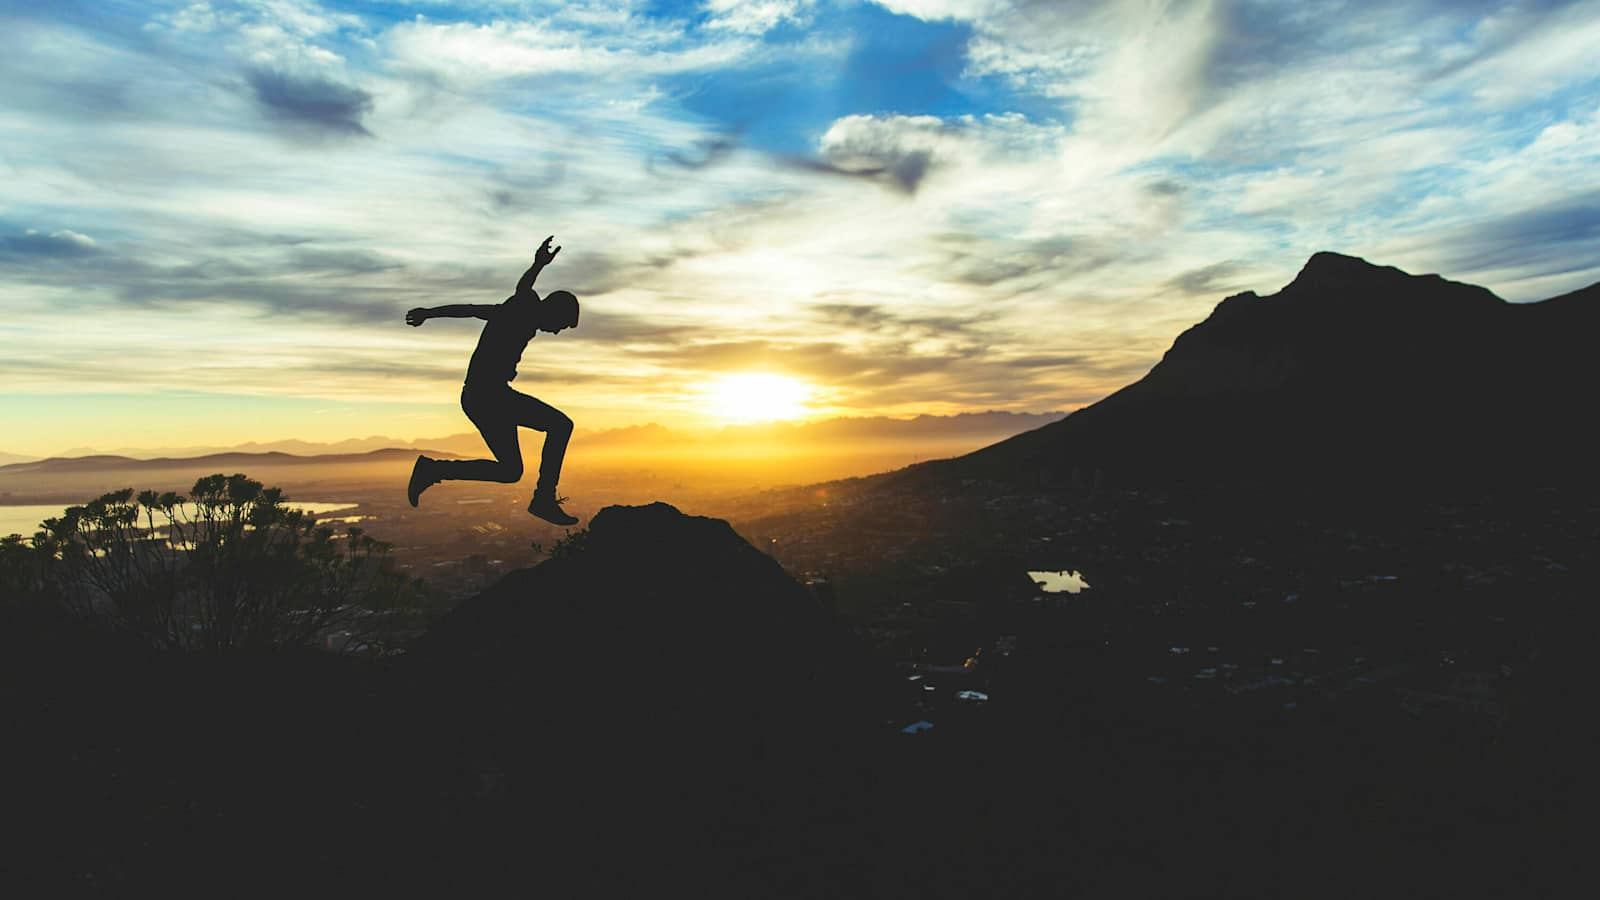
[
  {"x": 742, "y": 457},
  {"x": 231, "y": 461},
  {"x": 1352, "y": 372},
  {"x": 76, "y": 479},
  {"x": 962, "y": 427}
]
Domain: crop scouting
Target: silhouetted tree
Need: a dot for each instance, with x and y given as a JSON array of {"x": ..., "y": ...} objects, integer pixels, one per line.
[
  {"x": 230, "y": 567},
  {"x": 21, "y": 571}
]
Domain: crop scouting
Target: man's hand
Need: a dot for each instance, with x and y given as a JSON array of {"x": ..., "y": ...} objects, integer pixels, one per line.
[
  {"x": 416, "y": 316},
  {"x": 545, "y": 254}
]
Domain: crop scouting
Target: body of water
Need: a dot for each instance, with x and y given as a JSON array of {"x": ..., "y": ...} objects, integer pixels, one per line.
[
  {"x": 24, "y": 520},
  {"x": 1065, "y": 580}
]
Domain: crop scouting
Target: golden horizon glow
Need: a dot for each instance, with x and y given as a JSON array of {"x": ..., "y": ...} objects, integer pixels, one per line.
[{"x": 747, "y": 397}]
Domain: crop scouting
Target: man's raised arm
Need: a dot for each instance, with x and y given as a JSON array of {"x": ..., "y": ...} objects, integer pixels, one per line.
[
  {"x": 540, "y": 260},
  {"x": 422, "y": 314}
]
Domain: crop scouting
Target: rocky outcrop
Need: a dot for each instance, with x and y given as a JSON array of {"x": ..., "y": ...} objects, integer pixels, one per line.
[{"x": 650, "y": 622}]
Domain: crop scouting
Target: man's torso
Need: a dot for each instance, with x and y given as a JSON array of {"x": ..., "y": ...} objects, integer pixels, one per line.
[{"x": 505, "y": 335}]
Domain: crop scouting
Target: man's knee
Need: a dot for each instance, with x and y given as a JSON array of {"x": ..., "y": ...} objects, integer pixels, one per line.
[{"x": 509, "y": 471}]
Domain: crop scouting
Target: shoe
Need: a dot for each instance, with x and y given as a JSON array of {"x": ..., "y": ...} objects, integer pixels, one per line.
[
  {"x": 548, "y": 508},
  {"x": 421, "y": 479}
]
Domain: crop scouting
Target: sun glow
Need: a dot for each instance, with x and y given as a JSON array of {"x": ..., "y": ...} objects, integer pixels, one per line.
[{"x": 757, "y": 397}]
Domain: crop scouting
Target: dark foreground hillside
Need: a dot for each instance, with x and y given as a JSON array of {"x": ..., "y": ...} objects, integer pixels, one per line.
[{"x": 661, "y": 710}]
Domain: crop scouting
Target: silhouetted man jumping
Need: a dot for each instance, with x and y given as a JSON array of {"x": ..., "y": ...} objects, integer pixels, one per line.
[{"x": 491, "y": 404}]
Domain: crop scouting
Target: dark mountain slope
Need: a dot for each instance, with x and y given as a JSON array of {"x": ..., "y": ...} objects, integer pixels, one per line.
[{"x": 1353, "y": 373}]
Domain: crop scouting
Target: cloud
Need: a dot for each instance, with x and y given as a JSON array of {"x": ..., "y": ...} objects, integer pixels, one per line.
[
  {"x": 904, "y": 151},
  {"x": 706, "y": 152},
  {"x": 35, "y": 244},
  {"x": 900, "y": 148},
  {"x": 344, "y": 262},
  {"x": 756, "y": 16},
  {"x": 903, "y": 173},
  {"x": 296, "y": 280},
  {"x": 831, "y": 363},
  {"x": 881, "y": 321},
  {"x": 1566, "y": 227},
  {"x": 265, "y": 23},
  {"x": 466, "y": 53},
  {"x": 934, "y": 10},
  {"x": 854, "y": 315},
  {"x": 311, "y": 104},
  {"x": 1526, "y": 245},
  {"x": 1207, "y": 280},
  {"x": 605, "y": 328},
  {"x": 992, "y": 262}
]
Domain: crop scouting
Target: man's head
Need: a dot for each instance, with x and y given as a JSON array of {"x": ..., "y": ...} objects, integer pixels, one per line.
[{"x": 558, "y": 310}]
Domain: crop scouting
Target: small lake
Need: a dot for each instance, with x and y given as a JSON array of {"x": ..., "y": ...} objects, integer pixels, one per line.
[
  {"x": 1064, "y": 581},
  {"x": 24, "y": 520}
]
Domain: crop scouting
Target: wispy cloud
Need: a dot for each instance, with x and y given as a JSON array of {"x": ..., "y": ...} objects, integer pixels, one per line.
[{"x": 63, "y": 244}]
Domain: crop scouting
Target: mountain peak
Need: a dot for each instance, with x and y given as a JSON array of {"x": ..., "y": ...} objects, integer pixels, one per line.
[
  {"x": 1355, "y": 283},
  {"x": 1331, "y": 259},
  {"x": 1328, "y": 270}
]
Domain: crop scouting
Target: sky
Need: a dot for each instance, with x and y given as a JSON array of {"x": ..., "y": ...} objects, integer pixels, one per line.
[{"x": 213, "y": 215}]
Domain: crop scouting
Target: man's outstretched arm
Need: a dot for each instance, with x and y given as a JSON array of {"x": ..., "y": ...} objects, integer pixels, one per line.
[
  {"x": 540, "y": 260},
  {"x": 422, "y": 314}
]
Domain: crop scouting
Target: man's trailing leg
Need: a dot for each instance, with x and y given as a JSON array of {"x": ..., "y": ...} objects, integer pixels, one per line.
[{"x": 422, "y": 478}]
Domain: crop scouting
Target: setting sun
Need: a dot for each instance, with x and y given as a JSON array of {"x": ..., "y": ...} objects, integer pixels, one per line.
[{"x": 757, "y": 397}]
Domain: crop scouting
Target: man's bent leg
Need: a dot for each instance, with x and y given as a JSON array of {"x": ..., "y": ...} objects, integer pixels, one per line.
[
  {"x": 557, "y": 427},
  {"x": 494, "y": 412},
  {"x": 551, "y": 457}
]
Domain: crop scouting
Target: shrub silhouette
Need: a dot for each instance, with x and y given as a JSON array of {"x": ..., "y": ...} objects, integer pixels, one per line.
[
  {"x": 570, "y": 544},
  {"x": 228, "y": 568}
]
